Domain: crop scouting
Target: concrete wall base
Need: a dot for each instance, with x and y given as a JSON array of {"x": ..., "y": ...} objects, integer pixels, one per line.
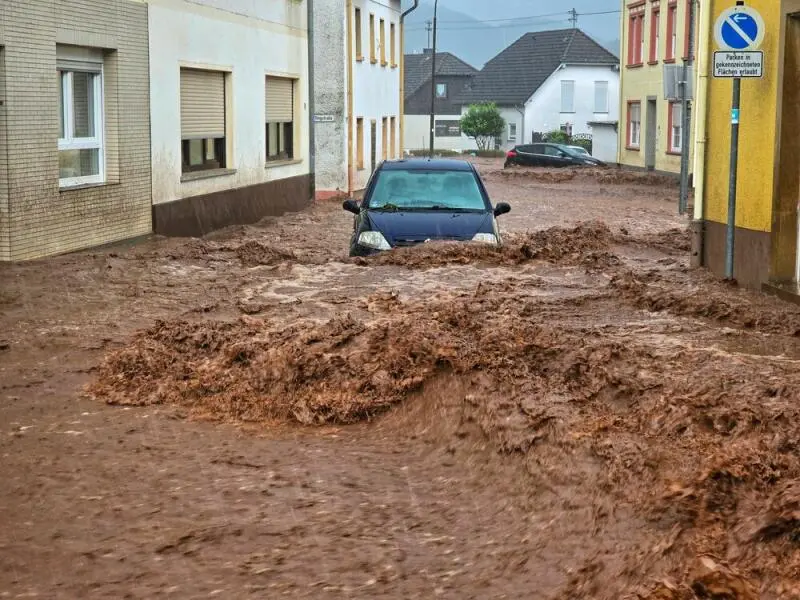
[
  {"x": 199, "y": 215},
  {"x": 751, "y": 261}
]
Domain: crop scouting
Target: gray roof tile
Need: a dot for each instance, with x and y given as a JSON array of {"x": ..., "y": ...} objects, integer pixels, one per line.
[{"x": 417, "y": 69}]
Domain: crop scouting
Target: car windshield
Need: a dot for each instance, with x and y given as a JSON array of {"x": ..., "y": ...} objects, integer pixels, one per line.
[
  {"x": 575, "y": 151},
  {"x": 418, "y": 189}
]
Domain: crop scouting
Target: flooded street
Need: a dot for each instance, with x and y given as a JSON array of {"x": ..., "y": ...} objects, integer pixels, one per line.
[{"x": 256, "y": 415}]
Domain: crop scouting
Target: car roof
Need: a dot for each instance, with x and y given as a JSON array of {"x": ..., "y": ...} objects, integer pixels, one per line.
[{"x": 427, "y": 164}]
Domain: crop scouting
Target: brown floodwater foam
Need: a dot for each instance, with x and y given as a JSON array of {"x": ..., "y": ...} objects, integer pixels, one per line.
[
  {"x": 701, "y": 443},
  {"x": 586, "y": 244}
]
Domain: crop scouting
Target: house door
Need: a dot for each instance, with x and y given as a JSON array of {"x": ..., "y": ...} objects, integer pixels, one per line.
[
  {"x": 651, "y": 126},
  {"x": 373, "y": 142}
]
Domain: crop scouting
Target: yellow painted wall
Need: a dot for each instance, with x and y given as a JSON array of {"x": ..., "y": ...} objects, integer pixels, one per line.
[
  {"x": 757, "y": 132},
  {"x": 640, "y": 82}
]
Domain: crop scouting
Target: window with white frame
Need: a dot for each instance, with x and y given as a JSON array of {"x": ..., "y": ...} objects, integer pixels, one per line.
[
  {"x": 567, "y": 96},
  {"x": 601, "y": 96},
  {"x": 634, "y": 124},
  {"x": 80, "y": 140},
  {"x": 202, "y": 120},
  {"x": 676, "y": 127},
  {"x": 280, "y": 96},
  {"x": 512, "y": 132}
]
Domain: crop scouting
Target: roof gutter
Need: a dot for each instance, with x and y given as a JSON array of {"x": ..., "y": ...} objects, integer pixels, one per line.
[{"x": 403, "y": 76}]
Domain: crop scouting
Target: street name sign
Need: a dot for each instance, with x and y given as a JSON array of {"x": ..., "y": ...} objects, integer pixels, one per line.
[{"x": 738, "y": 64}]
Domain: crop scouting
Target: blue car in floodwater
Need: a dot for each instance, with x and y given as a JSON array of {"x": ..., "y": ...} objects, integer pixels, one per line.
[{"x": 413, "y": 201}]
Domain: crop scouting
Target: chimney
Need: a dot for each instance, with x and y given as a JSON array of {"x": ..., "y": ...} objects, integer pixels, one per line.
[{"x": 427, "y": 50}]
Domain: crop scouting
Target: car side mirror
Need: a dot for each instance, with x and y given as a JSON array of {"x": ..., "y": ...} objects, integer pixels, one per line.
[
  {"x": 351, "y": 206},
  {"x": 501, "y": 208}
]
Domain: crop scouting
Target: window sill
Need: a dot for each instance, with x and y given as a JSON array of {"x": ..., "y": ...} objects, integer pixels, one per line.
[
  {"x": 669, "y": 61},
  {"x": 197, "y": 175},
  {"x": 374, "y": 61},
  {"x": 359, "y": 58},
  {"x": 652, "y": 62},
  {"x": 635, "y": 66},
  {"x": 394, "y": 65},
  {"x": 85, "y": 186},
  {"x": 632, "y": 148},
  {"x": 384, "y": 63},
  {"x": 282, "y": 163},
  {"x": 674, "y": 152}
]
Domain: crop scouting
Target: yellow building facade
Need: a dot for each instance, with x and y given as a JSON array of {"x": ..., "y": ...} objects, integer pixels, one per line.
[
  {"x": 768, "y": 186},
  {"x": 655, "y": 37}
]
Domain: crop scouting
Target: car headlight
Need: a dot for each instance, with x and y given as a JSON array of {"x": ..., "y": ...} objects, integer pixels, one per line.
[
  {"x": 373, "y": 239},
  {"x": 589, "y": 162},
  {"x": 485, "y": 238}
]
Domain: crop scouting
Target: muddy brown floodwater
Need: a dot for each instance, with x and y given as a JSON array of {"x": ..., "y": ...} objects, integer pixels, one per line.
[{"x": 255, "y": 415}]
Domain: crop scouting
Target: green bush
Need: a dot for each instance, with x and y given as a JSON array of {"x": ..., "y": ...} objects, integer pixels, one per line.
[
  {"x": 556, "y": 137},
  {"x": 583, "y": 143}
]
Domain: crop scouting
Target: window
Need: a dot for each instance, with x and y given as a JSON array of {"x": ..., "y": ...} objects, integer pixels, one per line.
[
  {"x": 80, "y": 140},
  {"x": 202, "y": 120},
  {"x": 392, "y": 137},
  {"x": 636, "y": 34},
  {"x": 383, "y": 42},
  {"x": 360, "y": 143},
  {"x": 567, "y": 128},
  {"x": 441, "y": 90},
  {"x": 672, "y": 31},
  {"x": 372, "y": 58},
  {"x": 634, "y": 124},
  {"x": 567, "y": 96},
  {"x": 686, "y": 36},
  {"x": 392, "y": 45},
  {"x": 279, "y": 111},
  {"x": 655, "y": 34},
  {"x": 385, "y": 138},
  {"x": 357, "y": 33},
  {"x": 601, "y": 96},
  {"x": 675, "y": 126},
  {"x": 512, "y": 132},
  {"x": 448, "y": 128}
]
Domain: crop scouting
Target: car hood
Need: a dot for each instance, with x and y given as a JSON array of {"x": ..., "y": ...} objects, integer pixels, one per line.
[{"x": 417, "y": 226}]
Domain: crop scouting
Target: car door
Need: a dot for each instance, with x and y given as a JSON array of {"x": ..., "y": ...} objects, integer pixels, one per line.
[
  {"x": 525, "y": 155},
  {"x": 537, "y": 155},
  {"x": 556, "y": 157}
]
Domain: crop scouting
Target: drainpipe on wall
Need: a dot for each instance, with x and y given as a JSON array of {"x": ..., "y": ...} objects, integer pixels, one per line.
[
  {"x": 697, "y": 226},
  {"x": 402, "y": 74},
  {"x": 521, "y": 110},
  {"x": 350, "y": 122},
  {"x": 311, "y": 134}
]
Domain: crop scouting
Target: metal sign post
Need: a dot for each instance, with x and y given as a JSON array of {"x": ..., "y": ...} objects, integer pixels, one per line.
[{"x": 738, "y": 32}]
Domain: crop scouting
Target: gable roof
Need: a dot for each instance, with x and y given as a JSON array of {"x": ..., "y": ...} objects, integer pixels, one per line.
[
  {"x": 513, "y": 76},
  {"x": 417, "y": 69}
]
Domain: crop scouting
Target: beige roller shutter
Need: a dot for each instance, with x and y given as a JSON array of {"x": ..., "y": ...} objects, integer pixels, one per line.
[
  {"x": 280, "y": 100},
  {"x": 202, "y": 104}
]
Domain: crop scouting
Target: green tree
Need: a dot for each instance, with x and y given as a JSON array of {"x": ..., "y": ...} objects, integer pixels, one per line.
[{"x": 483, "y": 123}]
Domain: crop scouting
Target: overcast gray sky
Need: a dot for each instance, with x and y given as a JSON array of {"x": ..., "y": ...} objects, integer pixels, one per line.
[{"x": 498, "y": 23}]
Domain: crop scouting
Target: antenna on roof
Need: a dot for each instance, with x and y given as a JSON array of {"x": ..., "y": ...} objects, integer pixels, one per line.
[
  {"x": 573, "y": 17},
  {"x": 429, "y": 28}
]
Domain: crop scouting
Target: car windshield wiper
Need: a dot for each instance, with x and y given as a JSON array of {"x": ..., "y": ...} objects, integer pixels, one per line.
[
  {"x": 448, "y": 208},
  {"x": 388, "y": 207}
]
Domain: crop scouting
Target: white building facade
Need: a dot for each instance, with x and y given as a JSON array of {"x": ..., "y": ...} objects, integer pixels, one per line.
[
  {"x": 569, "y": 100},
  {"x": 229, "y": 112},
  {"x": 357, "y": 57}
]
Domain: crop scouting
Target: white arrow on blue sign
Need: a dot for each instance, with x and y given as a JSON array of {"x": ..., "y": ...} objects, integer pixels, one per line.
[{"x": 739, "y": 28}]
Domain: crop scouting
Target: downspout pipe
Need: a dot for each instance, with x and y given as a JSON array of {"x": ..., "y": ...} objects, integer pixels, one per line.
[
  {"x": 311, "y": 137},
  {"x": 521, "y": 136},
  {"x": 701, "y": 135},
  {"x": 351, "y": 124},
  {"x": 402, "y": 75}
]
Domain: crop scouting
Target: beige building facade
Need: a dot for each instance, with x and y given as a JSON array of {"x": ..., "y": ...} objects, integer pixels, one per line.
[{"x": 74, "y": 125}]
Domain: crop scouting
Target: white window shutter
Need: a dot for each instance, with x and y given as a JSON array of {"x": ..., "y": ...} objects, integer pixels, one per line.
[
  {"x": 279, "y": 95},
  {"x": 567, "y": 96},
  {"x": 202, "y": 104},
  {"x": 601, "y": 96}
]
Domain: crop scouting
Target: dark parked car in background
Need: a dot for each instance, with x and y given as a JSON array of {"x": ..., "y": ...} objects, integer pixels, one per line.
[
  {"x": 550, "y": 155},
  {"x": 412, "y": 201}
]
